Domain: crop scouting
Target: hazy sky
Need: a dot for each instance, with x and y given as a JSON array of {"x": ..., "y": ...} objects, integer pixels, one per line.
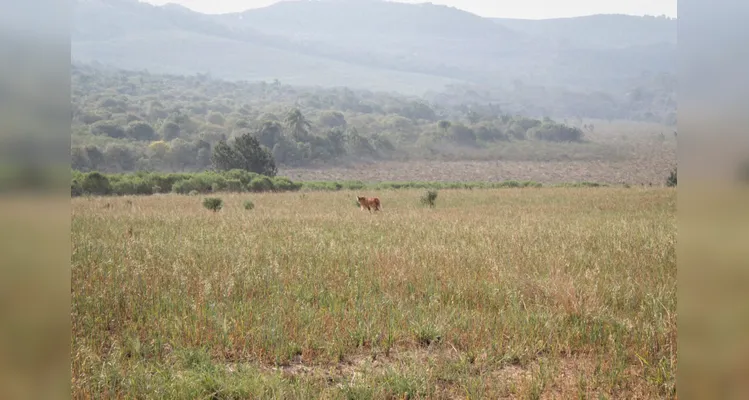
[{"x": 531, "y": 9}]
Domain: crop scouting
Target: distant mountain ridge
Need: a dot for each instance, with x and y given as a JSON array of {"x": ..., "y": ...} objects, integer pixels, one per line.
[
  {"x": 377, "y": 45},
  {"x": 599, "y": 31}
]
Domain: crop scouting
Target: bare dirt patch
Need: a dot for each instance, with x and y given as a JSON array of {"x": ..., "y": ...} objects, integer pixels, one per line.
[
  {"x": 618, "y": 153},
  {"x": 567, "y": 376},
  {"x": 633, "y": 172}
]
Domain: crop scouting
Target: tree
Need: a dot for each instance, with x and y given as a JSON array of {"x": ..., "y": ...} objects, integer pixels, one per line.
[
  {"x": 95, "y": 157},
  {"x": 473, "y": 117},
  {"x": 79, "y": 160},
  {"x": 337, "y": 140},
  {"x": 333, "y": 119},
  {"x": 444, "y": 125},
  {"x": 88, "y": 158},
  {"x": 158, "y": 148},
  {"x": 287, "y": 151},
  {"x": 140, "y": 130},
  {"x": 157, "y": 154},
  {"x": 358, "y": 144},
  {"x": 155, "y": 110},
  {"x": 120, "y": 156},
  {"x": 242, "y": 124},
  {"x": 204, "y": 157},
  {"x": 107, "y": 128},
  {"x": 181, "y": 154},
  {"x": 553, "y": 132},
  {"x": 488, "y": 132},
  {"x": 298, "y": 124},
  {"x": 170, "y": 130},
  {"x": 269, "y": 133},
  {"x": 224, "y": 157},
  {"x": 216, "y": 118},
  {"x": 462, "y": 134},
  {"x": 245, "y": 153}
]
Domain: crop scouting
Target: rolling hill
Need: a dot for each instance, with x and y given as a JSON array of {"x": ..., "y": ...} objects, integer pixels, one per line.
[
  {"x": 614, "y": 31},
  {"x": 379, "y": 45}
]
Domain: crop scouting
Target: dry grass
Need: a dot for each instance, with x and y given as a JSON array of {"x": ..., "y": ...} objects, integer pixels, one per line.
[{"x": 513, "y": 293}]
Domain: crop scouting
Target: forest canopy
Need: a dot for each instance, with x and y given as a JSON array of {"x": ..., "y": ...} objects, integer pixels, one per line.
[{"x": 128, "y": 121}]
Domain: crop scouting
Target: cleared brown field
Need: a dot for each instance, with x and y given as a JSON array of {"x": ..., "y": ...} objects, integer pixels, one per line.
[
  {"x": 510, "y": 293},
  {"x": 618, "y": 153}
]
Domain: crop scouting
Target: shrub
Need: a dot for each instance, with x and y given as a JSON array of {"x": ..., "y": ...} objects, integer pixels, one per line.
[
  {"x": 128, "y": 185},
  {"x": 75, "y": 188},
  {"x": 261, "y": 184},
  {"x": 249, "y": 205},
  {"x": 146, "y": 183},
  {"x": 671, "y": 181},
  {"x": 96, "y": 184},
  {"x": 197, "y": 183},
  {"x": 285, "y": 185},
  {"x": 510, "y": 184},
  {"x": 554, "y": 132},
  {"x": 213, "y": 203},
  {"x": 234, "y": 185},
  {"x": 353, "y": 185},
  {"x": 218, "y": 183},
  {"x": 243, "y": 176},
  {"x": 181, "y": 187},
  {"x": 429, "y": 198},
  {"x": 165, "y": 182}
]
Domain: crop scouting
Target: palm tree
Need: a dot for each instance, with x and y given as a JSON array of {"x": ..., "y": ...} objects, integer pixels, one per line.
[{"x": 298, "y": 124}]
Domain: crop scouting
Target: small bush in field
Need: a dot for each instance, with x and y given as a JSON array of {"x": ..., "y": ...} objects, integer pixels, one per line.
[
  {"x": 249, "y": 205},
  {"x": 429, "y": 198},
  {"x": 213, "y": 203},
  {"x": 671, "y": 181}
]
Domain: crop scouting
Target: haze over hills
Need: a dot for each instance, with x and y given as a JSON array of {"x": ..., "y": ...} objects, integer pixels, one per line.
[
  {"x": 542, "y": 66},
  {"x": 599, "y": 31}
]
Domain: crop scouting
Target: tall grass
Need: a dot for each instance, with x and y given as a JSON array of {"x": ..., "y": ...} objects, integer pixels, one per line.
[{"x": 561, "y": 292}]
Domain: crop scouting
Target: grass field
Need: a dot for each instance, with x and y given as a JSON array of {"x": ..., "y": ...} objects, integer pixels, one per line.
[{"x": 503, "y": 293}]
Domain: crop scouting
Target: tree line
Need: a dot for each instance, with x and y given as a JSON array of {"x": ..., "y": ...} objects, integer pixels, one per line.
[
  {"x": 148, "y": 183},
  {"x": 144, "y": 183},
  {"x": 137, "y": 121}
]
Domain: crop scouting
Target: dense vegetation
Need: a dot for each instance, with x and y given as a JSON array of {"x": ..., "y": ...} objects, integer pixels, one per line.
[
  {"x": 483, "y": 88},
  {"x": 127, "y": 121},
  {"x": 241, "y": 181},
  {"x": 147, "y": 183}
]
